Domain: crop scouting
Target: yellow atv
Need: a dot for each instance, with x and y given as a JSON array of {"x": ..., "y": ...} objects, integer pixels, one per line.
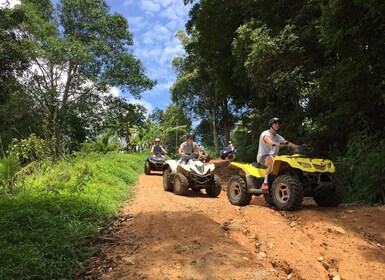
[{"x": 293, "y": 177}]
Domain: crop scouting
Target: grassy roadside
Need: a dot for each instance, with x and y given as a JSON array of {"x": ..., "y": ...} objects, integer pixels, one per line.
[{"x": 45, "y": 226}]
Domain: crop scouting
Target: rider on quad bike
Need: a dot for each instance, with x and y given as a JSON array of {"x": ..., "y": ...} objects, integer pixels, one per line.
[
  {"x": 189, "y": 149},
  {"x": 156, "y": 160},
  {"x": 189, "y": 172},
  {"x": 157, "y": 149},
  {"x": 290, "y": 178},
  {"x": 269, "y": 143}
]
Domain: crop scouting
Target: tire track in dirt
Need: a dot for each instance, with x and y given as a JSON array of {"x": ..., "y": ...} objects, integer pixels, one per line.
[{"x": 196, "y": 237}]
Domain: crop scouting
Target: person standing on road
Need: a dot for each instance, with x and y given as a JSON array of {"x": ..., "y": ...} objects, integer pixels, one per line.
[
  {"x": 188, "y": 149},
  {"x": 269, "y": 143}
]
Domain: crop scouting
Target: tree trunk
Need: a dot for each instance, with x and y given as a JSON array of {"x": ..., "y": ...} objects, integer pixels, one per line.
[
  {"x": 225, "y": 118},
  {"x": 214, "y": 127}
]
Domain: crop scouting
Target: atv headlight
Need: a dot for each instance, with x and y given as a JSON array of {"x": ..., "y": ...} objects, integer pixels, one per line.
[{"x": 305, "y": 165}]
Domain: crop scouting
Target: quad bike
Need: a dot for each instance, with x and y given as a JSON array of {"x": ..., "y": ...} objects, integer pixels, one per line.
[
  {"x": 154, "y": 163},
  {"x": 228, "y": 153},
  {"x": 195, "y": 175},
  {"x": 293, "y": 177}
]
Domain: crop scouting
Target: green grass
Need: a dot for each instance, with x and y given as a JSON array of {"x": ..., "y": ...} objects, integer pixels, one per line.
[{"x": 48, "y": 225}]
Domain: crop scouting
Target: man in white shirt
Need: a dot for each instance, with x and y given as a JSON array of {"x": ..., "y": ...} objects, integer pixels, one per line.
[{"x": 269, "y": 143}]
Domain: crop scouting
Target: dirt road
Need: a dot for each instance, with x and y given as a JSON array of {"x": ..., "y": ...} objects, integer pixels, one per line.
[{"x": 160, "y": 235}]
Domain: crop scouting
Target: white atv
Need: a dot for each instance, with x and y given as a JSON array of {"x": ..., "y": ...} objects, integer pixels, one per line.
[{"x": 195, "y": 175}]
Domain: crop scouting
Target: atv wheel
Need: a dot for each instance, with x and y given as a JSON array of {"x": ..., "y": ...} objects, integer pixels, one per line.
[
  {"x": 223, "y": 156},
  {"x": 333, "y": 198},
  {"x": 237, "y": 191},
  {"x": 167, "y": 184},
  {"x": 269, "y": 199},
  {"x": 214, "y": 189},
  {"x": 230, "y": 156},
  {"x": 180, "y": 184},
  {"x": 147, "y": 168},
  {"x": 287, "y": 193}
]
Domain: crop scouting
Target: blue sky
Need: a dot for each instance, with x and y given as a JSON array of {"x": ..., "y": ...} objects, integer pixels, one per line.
[{"x": 153, "y": 24}]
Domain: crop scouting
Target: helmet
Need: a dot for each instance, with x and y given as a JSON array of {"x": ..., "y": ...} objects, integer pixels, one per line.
[
  {"x": 190, "y": 135},
  {"x": 274, "y": 120},
  {"x": 157, "y": 140},
  {"x": 229, "y": 142}
]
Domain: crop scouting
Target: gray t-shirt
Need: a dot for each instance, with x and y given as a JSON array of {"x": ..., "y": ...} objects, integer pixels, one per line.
[
  {"x": 266, "y": 149},
  {"x": 157, "y": 149},
  {"x": 189, "y": 149}
]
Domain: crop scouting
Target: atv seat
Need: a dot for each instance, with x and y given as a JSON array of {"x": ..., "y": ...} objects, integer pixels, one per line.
[{"x": 258, "y": 165}]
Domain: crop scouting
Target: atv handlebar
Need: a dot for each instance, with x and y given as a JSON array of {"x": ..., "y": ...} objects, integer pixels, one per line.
[
  {"x": 282, "y": 144},
  {"x": 189, "y": 155}
]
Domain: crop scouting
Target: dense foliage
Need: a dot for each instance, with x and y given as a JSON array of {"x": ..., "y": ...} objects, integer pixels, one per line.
[{"x": 318, "y": 65}]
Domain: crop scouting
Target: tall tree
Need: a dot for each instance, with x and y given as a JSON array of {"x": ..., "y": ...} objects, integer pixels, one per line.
[
  {"x": 81, "y": 52},
  {"x": 193, "y": 91},
  {"x": 213, "y": 24},
  {"x": 352, "y": 92},
  {"x": 16, "y": 110}
]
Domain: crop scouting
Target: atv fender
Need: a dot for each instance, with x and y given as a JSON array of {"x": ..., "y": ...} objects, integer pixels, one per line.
[
  {"x": 310, "y": 165},
  {"x": 249, "y": 169},
  {"x": 173, "y": 164},
  {"x": 197, "y": 166}
]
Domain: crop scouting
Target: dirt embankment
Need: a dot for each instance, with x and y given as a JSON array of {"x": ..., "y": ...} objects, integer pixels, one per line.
[{"x": 160, "y": 235}]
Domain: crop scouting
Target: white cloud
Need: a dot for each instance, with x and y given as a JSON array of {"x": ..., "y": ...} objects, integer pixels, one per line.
[
  {"x": 142, "y": 102},
  {"x": 9, "y": 3},
  {"x": 154, "y": 24},
  {"x": 149, "y": 7},
  {"x": 128, "y": 3},
  {"x": 137, "y": 23},
  {"x": 114, "y": 91}
]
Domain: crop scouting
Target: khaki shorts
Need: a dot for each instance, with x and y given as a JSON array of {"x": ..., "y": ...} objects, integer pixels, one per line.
[{"x": 262, "y": 159}]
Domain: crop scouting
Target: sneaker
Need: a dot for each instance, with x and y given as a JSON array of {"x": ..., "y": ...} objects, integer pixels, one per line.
[{"x": 265, "y": 186}]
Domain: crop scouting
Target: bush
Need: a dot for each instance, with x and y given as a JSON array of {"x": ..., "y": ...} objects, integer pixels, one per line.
[
  {"x": 9, "y": 168},
  {"x": 362, "y": 169},
  {"x": 31, "y": 149}
]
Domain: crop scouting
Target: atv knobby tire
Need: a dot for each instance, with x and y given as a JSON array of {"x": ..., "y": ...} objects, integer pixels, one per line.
[
  {"x": 180, "y": 184},
  {"x": 237, "y": 191},
  {"x": 214, "y": 189},
  {"x": 167, "y": 183},
  {"x": 269, "y": 199},
  {"x": 287, "y": 193},
  {"x": 147, "y": 168},
  {"x": 333, "y": 198}
]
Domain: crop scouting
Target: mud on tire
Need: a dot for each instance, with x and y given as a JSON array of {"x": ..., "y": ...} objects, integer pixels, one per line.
[
  {"x": 287, "y": 193},
  {"x": 237, "y": 191},
  {"x": 180, "y": 184},
  {"x": 167, "y": 183},
  {"x": 214, "y": 189}
]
